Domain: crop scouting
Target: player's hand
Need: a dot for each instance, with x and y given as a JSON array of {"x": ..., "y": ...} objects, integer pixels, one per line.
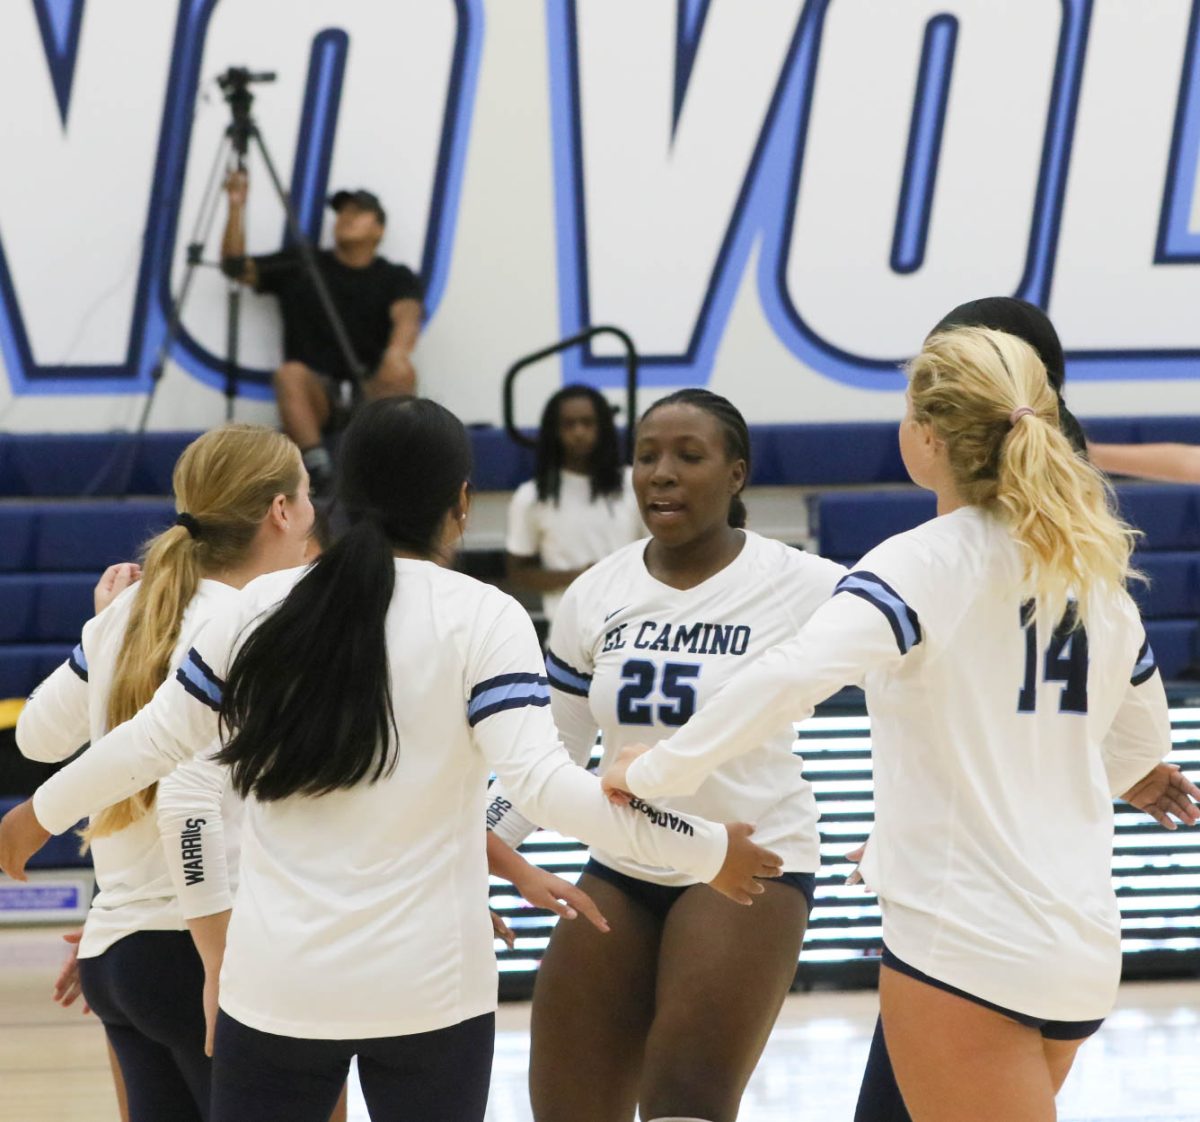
[
  {"x": 856, "y": 855},
  {"x": 745, "y": 863},
  {"x": 501, "y": 931},
  {"x": 1165, "y": 793},
  {"x": 614, "y": 782},
  {"x": 66, "y": 986},
  {"x": 237, "y": 187},
  {"x": 542, "y": 889},
  {"x": 115, "y": 580},
  {"x": 21, "y": 836},
  {"x": 211, "y": 999}
]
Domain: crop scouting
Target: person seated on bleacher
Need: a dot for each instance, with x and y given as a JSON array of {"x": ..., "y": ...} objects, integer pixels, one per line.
[
  {"x": 579, "y": 507},
  {"x": 378, "y": 302}
]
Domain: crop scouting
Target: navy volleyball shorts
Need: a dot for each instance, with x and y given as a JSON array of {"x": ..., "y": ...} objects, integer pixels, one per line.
[
  {"x": 1051, "y": 1030},
  {"x": 659, "y": 898}
]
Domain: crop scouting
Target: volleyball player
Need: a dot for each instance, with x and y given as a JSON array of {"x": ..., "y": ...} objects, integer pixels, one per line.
[
  {"x": 879, "y": 1097},
  {"x": 1013, "y": 694},
  {"x": 681, "y": 996},
  {"x": 579, "y": 507},
  {"x": 363, "y": 704},
  {"x": 244, "y": 511}
]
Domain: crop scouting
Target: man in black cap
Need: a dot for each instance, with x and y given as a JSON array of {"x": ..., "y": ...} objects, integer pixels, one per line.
[{"x": 379, "y": 304}]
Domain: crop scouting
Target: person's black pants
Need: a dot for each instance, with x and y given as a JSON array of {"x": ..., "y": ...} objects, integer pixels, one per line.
[
  {"x": 147, "y": 989},
  {"x": 439, "y": 1076}
]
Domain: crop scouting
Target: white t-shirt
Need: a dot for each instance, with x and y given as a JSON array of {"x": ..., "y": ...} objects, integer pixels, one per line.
[
  {"x": 634, "y": 658},
  {"x": 996, "y": 752},
  {"x": 132, "y": 870},
  {"x": 575, "y": 532},
  {"x": 363, "y": 913}
]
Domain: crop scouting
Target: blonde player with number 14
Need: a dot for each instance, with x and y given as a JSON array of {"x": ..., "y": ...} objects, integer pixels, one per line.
[{"x": 1013, "y": 695}]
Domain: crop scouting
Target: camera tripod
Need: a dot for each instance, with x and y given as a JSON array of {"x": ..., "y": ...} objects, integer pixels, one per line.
[{"x": 230, "y": 157}]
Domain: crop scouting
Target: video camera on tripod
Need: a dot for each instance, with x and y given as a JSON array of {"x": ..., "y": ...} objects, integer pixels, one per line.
[
  {"x": 234, "y": 84},
  {"x": 239, "y": 77},
  {"x": 235, "y": 88}
]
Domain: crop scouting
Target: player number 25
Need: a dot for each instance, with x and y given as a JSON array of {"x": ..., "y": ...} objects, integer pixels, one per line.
[{"x": 678, "y": 693}]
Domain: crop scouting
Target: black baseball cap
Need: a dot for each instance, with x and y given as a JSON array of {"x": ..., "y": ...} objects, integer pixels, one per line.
[{"x": 363, "y": 199}]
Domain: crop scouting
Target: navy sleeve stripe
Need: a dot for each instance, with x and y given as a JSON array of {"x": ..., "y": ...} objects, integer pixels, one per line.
[
  {"x": 200, "y": 681},
  {"x": 1145, "y": 666},
  {"x": 77, "y": 661},
  {"x": 193, "y": 656},
  {"x": 507, "y": 695},
  {"x": 566, "y": 678},
  {"x": 508, "y": 703},
  {"x": 506, "y": 680},
  {"x": 905, "y": 624},
  {"x": 197, "y": 691}
]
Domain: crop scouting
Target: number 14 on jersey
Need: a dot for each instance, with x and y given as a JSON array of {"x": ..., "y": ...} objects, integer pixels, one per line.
[{"x": 1065, "y": 661}]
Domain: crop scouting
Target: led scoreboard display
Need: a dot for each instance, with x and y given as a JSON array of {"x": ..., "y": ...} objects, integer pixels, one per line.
[{"x": 1156, "y": 871}]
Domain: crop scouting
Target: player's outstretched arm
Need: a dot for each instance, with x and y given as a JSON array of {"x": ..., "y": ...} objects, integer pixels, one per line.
[
  {"x": 1173, "y": 463},
  {"x": 843, "y": 640}
]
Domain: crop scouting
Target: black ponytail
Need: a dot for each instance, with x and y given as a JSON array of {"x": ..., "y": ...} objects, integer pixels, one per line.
[
  {"x": 733, "y": 425},
  {"x": 1026, "y": 321},
  {"x": 307, "y": 705}
]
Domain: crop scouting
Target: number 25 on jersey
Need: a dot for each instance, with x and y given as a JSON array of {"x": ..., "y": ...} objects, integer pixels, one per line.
[{"x": 677, "y": 693}]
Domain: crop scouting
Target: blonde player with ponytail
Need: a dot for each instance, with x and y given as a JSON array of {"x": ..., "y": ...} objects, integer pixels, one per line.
[
  {"x": 1013, "y": 695},
  {"x": 242, "y": 497}
]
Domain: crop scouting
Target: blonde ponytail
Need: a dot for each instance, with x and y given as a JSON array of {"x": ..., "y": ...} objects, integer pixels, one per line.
[
  {"x": 225, "y": 481},
  {"x": 986, "y": 394}
]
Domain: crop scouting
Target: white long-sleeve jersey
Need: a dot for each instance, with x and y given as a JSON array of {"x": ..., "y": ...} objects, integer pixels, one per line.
[
  {"x": 997, "y": 751},
  {"x": 135, "y": 872},
  {"x": 364, "y": 912},
  {"x": 634, "y": 658}
]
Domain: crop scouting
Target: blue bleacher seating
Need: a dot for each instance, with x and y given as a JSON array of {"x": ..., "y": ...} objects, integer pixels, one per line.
[
  {"x": 852, "y": 523},
  {"x": 1174, "y": 584},
  {"x": 1166, "y": 513},
  {"x": 44, "y": 607},
  {"x": 23, "y": 665},
  {"x": 77, "y": 536},
  {"x": 39, "y": 465}
]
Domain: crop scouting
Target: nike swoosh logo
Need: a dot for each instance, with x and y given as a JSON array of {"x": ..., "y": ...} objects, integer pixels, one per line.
[{"x": 616, "y": 613}]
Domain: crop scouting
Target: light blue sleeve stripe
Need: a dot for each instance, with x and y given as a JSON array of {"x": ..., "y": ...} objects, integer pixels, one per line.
[
  {"x": 562, "y": 675},
  {"x": 201, "y": 681},
  {"x": 79, "y": 657},
  {"x": 499, "y": 695},
  {"x": 889, "y": 602}
]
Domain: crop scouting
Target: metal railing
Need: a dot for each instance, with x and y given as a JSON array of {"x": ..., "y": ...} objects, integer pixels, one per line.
[{"x": 631, "y": 381}]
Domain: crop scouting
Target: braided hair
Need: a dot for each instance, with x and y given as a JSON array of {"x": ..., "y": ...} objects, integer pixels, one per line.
[{"x": 733, "y": 427}]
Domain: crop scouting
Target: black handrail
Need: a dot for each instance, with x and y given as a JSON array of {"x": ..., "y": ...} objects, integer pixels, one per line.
[{"x": 631, "y": 382}]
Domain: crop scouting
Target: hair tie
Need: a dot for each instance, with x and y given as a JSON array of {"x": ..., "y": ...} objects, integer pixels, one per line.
[
  {"x": 1019, "y": 412},
  {"x": 189, "y": 523}
]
